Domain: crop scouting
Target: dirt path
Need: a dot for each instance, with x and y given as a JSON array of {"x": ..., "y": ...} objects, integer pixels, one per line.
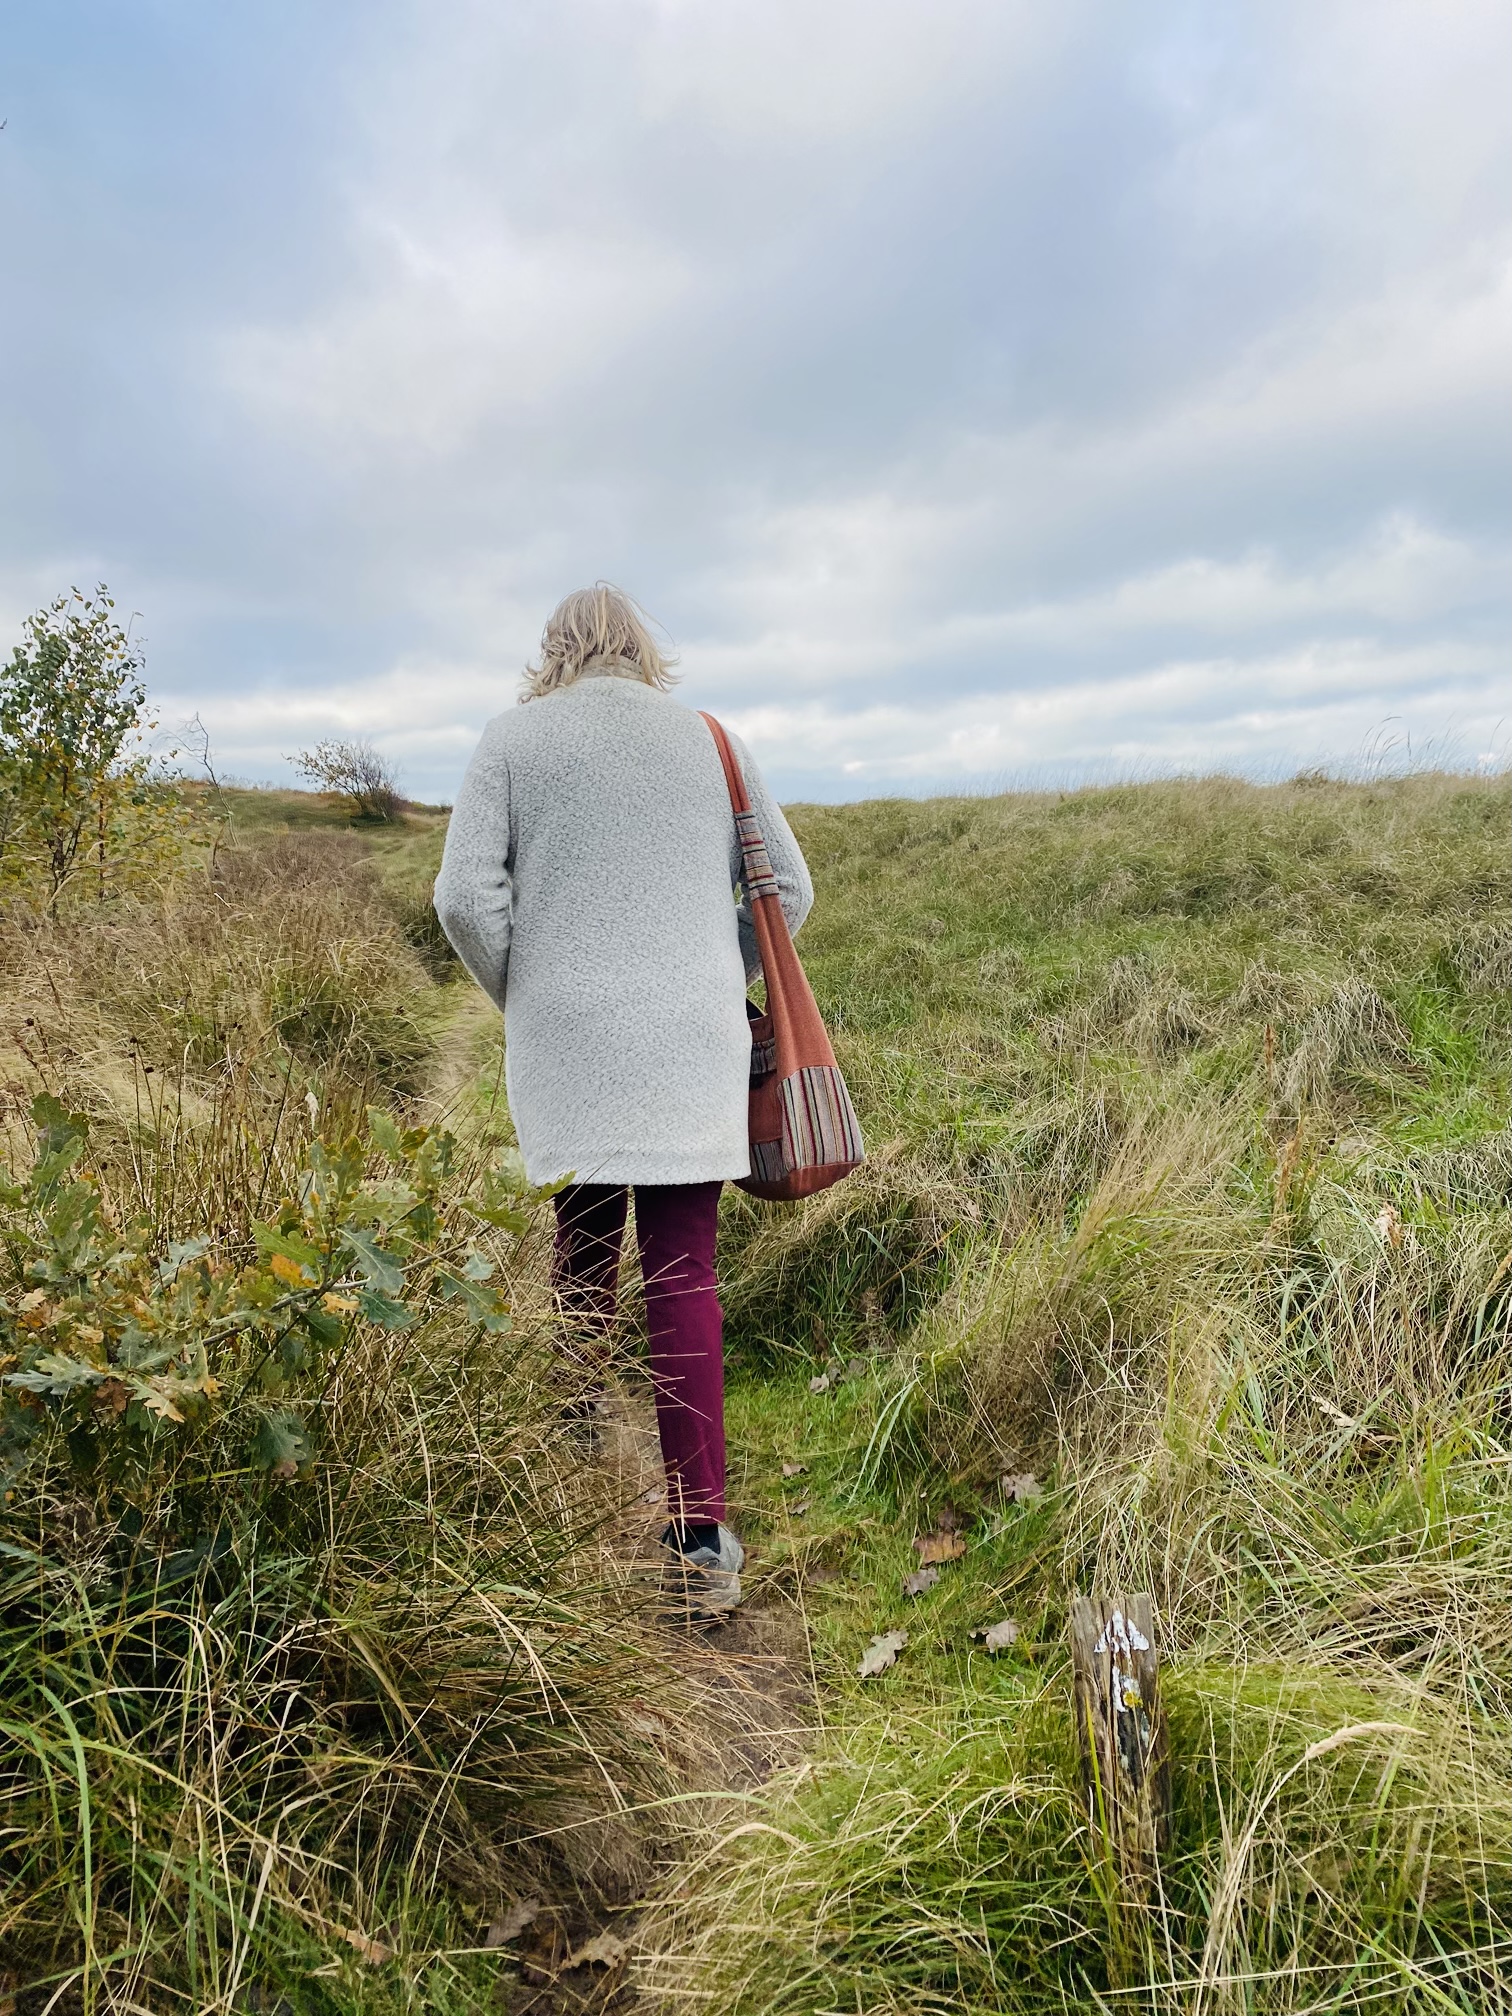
[
  {"x": 752, "y": 1680},
  {"x": 759, "y": 1659}
]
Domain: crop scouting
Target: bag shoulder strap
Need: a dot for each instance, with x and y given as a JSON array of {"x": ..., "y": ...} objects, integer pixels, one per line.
[
  {"x": 756, "y": 875},
  {"x": 739, "y": 800}
]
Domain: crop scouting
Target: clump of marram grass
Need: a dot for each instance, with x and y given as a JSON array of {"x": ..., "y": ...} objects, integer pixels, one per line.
[{"x": 856, "y": 1267}]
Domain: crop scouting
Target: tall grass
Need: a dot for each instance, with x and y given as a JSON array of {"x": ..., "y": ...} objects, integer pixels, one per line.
[
  {"x": 1197, "y": 1203},
  {"x": 301, "y": 1737},
  {"x": 1191, "y": 1194}
]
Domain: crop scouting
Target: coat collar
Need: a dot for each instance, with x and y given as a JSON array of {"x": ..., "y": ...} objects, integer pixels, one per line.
[{"x": 611, "y": 668}]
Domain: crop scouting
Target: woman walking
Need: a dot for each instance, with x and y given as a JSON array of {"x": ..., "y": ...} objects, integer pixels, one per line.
[{"x": 588, "y": 887}]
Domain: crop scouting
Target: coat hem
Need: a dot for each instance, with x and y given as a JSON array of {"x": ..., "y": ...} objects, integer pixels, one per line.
[{"x": 632, "y": 1169}]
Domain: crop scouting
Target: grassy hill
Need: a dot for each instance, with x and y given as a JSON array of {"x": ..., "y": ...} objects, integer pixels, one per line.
[
  {"x": 1190, "y": 1199},
  {"x": 1194, "y": 1201}
]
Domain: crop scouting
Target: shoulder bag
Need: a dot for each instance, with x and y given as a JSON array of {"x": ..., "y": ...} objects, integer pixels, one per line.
[{"x": 804, "y": 1131}]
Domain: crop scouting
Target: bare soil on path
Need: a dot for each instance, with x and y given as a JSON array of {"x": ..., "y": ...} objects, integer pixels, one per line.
[{"x": 748, "y": 1682}]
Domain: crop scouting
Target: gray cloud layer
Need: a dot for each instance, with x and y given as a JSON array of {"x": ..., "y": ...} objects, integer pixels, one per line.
[{"x": 974, "y": 391}]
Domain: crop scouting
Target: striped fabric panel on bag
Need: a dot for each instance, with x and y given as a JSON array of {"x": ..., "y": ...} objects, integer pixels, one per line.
[
  {"x": 763, "y": 1059},
  {"x": 756, "y": 873},
  {"x": 768, "y": 1162},
  {"x": 819, "y": 1124}
]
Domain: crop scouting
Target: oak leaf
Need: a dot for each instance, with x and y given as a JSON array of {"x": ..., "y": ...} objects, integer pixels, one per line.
[
  {"x": 881, "y": 1653},
  {"x": 512, "y": 1922},
  {"x": 997, "y": 1637},
  {"x": 602, "y": 1950}
]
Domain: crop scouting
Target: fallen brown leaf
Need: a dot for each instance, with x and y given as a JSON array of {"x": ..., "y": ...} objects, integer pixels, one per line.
[
  {"x": 795, "y": 1469},
  {"x": 855, "y": 1368},
  {"x": 997, "y": 1637},
  {"x": 820, "y": 1384},
  {"x": 1390, "y": 1226},
  {"x": 602, "y": 1950},
  {"x": 803, "y": 1505},
  {"x": 1332, "y": 1413},
  {"x": 932, "y": 1547},
  {"x": 921, "y": 1580},
  {"x": 372, "y": 1950},
  {"x": 881, "y": 1653},
  {"x": 111, "y": 1396},
  {"x": 1022, "y": 1486},
  {"x": 511, "y": 1923}
]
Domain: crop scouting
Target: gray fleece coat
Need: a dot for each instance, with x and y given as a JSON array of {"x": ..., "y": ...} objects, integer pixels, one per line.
[{"x": 588, "y": 887}]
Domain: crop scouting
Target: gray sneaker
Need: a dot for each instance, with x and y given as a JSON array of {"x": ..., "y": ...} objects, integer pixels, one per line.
[{"x": 703, "y": 1585}]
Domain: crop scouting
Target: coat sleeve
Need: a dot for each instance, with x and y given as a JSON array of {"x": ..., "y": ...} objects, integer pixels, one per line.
[
  {"x": 474, "y": 893},
  {"x": 795, "y": 890}
]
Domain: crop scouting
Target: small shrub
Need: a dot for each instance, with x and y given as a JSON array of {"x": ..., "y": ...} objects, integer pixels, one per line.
[
  {"x": 353, "y": 768},
  {"x": 81, "y": 808},
  {"x": 298, "y": 1593},
  {"x": 115, "y": 1347}
]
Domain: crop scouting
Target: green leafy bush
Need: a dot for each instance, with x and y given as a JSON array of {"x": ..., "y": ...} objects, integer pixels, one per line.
[
  {"x": 116, "y": 1347},
  {"x": 307, "y": 1661},
  {"x": 81, "y": 803}
]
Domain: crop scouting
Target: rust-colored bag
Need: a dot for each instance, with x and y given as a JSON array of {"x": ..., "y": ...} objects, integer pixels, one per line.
[{"x": 804, "y": 1131}]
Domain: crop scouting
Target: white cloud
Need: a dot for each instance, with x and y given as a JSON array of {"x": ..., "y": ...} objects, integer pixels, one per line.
[
  {"x": 966, "y": 387},
  {"x": 1336, "y": 703}
]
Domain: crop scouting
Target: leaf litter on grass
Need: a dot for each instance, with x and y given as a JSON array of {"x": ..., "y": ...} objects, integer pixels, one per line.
[
  {"x": 604, "y": 1949},
  {"x": 1021, "y": 1487},
  {"x": 939, "y": 1546},
  {"x": 511, "y": 1922},
  {"x": 881, "y": 1653},
  {"x": 996, "y": 1637}
]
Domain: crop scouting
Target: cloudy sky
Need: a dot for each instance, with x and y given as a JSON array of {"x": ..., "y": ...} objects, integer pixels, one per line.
[{"x": 975, "y": 391}]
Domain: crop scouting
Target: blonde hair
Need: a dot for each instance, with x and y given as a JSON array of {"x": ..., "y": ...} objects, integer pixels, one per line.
[{"x": 597, "y": 626}]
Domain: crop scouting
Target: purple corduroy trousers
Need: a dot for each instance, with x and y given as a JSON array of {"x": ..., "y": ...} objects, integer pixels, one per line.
[{"x": 675, "y": 1226}]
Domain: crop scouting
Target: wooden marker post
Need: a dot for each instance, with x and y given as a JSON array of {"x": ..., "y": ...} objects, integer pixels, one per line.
[{"x": 1121, "y": 1725}]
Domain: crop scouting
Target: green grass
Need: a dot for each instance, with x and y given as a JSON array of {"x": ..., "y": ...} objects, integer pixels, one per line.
[
  {"x": 293, "y": 1738},
  {"x": 1190, "y": 1193},
  {"x": 1146, "y": 1068}
]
